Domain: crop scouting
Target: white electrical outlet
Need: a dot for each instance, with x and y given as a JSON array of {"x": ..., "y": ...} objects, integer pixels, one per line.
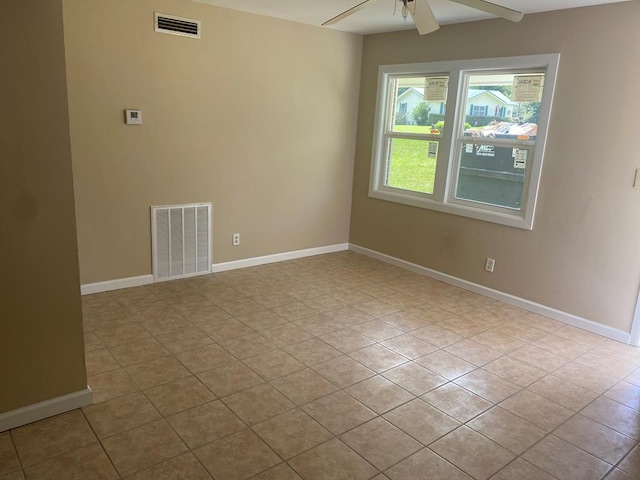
[
  {"x": 236, "y": 239},
  {"x": 490, "y": 264}
]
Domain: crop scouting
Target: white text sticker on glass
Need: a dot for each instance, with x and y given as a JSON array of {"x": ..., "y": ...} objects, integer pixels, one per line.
[
  {"x": 433, "y": 150},
  {"x": 468, "y": 148},
  {"x": 527, "y": 88},
  {"x": 485, "y": 151},
  {"x": 435, "y": 89},
  {"x": 519, "y": 158}
]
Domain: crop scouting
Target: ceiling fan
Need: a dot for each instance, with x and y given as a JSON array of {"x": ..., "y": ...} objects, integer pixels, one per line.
[{"x": 423, "y": 16}]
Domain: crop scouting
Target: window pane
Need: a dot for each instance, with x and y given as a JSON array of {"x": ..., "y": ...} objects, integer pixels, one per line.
[
  {"x": 419, "y": 104},
  {"x": 412, "y": 164},
  {"x": 503, "y": 105},
  {"x": 492, "y": 175}
]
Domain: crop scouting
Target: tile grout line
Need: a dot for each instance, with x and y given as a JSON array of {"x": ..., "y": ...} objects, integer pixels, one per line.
[
  {"x": 15, "y": 451},
  {"x": 104, "y": 450}
]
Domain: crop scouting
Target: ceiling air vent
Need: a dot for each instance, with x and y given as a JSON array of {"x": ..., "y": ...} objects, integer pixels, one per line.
[{"x": 176, "y": 25}]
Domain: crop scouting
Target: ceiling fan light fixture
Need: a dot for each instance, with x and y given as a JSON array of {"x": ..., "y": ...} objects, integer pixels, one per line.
[{"x": 405, "y": 10}]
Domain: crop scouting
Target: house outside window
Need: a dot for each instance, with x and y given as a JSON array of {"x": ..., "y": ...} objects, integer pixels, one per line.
[{"x": 469, "y": 163}]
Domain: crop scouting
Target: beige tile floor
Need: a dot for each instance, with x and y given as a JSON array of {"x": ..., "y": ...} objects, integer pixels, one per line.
[{"x": 335, "y": 367}]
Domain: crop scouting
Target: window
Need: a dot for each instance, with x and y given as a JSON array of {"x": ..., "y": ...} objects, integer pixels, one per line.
[
  {"x": 479, "y": 110},
  {"x": 476, "y": 140},
  {"x": 412, "y": 148}
]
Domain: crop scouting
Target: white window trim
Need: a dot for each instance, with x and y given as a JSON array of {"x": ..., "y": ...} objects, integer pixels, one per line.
[{"x": 441, "y": 199}]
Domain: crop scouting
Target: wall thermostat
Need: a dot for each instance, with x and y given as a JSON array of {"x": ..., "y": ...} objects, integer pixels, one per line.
[{"x": 133, "y": 117}]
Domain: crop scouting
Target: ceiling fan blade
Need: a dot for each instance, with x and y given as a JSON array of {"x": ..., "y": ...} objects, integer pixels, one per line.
[
  {"x": 423, "y": 17},
  {"x": 492, "y": 8},
  {"x": 346, "y": 13}
]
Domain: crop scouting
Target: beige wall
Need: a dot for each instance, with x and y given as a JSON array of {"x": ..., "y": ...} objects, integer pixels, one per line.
[
  {"x": 258, "y": 117},
  {"x": 583, "y": 255},
  {"x": 41, "y": 344}
]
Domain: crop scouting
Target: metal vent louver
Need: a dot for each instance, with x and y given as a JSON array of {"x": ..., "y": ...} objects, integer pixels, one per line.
[
  {"x": 176, "y": 25},
  {"x": 181, "y": 236}
]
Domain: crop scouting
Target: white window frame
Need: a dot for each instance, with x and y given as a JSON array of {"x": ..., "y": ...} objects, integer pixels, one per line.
[{"x": 443, "y": 197}]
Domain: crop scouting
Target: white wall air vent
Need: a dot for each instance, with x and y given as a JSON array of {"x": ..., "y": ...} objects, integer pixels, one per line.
[
  {"x": 173, "y": 25},
  {"x": 181, "y": 240}
]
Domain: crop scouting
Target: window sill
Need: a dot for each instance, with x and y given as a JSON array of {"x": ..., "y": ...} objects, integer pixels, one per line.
[{"x": 510, "y": 220}]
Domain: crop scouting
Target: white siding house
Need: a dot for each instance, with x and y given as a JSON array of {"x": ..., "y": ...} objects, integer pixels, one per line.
[
  {"x": 480, "y": 103},
  {"x": 489, "y": 103},
  {"x": 410, "y": 98}
]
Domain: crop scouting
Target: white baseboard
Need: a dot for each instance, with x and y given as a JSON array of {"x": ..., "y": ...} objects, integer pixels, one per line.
[
  {"x": 278, "y": 257},
  {"x": 119, "y": 283},
  {"x": 522, "y": 303},
  {"x": 48, "y": 408}
]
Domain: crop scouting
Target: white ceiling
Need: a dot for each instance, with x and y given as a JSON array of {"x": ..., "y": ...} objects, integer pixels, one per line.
[{"x": 378, "y": 17}]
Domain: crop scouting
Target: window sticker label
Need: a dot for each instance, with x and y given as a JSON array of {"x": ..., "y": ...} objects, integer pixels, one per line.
[
  {"x": 433, "y": 150},
  {"x": 519, "y": 158},
  {"x": 435, "y": 89},
  {"x": 527, "y": 88}
]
